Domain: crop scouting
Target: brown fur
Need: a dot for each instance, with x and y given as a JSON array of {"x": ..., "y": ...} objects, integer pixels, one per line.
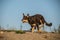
[{"x": 35, "y": 20}]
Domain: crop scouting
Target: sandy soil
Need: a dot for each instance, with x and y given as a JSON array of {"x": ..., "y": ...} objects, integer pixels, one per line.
[{"x": 29, "y": 36}]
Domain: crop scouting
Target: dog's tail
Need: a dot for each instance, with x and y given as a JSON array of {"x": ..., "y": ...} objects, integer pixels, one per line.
[{"x": 48, "y": 24}]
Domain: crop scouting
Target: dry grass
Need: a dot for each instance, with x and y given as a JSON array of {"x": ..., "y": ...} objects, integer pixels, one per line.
[{"x": 29, "y": 36}]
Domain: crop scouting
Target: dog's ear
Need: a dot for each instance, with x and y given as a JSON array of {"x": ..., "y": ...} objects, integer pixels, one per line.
[
  {"x": 28, "y": 14},
  {"x": 23, "y": 14}
]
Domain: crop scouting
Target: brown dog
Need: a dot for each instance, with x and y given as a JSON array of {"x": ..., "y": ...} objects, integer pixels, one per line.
[{"x": 35, "y": 21}]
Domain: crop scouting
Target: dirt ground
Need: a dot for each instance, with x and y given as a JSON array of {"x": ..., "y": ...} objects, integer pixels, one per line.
[{"x": 29, "y": 36}]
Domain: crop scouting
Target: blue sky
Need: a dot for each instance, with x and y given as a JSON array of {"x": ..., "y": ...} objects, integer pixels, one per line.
[{"x": 11, "y": 12}]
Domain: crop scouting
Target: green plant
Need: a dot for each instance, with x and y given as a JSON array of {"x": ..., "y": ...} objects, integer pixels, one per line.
[
  {"x": 59, "y": 29},
  {"x": 8, "y": 30},
  {"x": 19, "y": 31}
]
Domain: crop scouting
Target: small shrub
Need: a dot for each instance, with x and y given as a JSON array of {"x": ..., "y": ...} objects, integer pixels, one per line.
[
  {"x": 59, "y": 29},
  {"x": 8, "y": 30},
  {"x": 19, "y": 31}
]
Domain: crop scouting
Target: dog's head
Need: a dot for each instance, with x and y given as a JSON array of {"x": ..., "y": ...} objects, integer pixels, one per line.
[{"x": 25, "y": 18}]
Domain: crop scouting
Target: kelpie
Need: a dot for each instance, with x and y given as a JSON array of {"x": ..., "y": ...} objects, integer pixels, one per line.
[{"x": 35, "y": 21}]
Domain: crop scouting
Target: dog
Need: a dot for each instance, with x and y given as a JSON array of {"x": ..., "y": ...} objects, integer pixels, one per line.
[{"x": 36, "y": 20}]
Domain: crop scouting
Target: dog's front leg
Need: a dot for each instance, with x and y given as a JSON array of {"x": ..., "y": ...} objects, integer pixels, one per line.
[{"x": 32, "y": 29}]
